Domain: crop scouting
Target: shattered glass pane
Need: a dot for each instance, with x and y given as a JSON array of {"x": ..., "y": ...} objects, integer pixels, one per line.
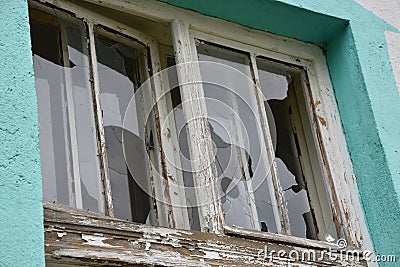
[
  {"x": 120, "y": 69},
  {"x": 65, "y": 109},
  {"x": 275, "y": 86},
  {"x": 243, "y": 170}
]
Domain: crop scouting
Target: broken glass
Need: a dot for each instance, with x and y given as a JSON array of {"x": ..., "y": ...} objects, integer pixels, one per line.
[
  {"x": 240, "y": 159},
  {"x": 67, "y": 140},
  {"x": 275, "y": 86},
  {"x": 120, "y": 70}
]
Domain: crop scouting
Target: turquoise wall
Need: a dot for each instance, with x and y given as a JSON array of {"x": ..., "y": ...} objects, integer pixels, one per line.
[
  {"x": 21, "y": 212},
  {"x": 362, "y": 77},
  {"x": 365, "y": 89}
]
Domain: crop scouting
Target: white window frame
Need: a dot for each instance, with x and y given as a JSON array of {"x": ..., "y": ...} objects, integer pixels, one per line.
[
  {"x": 168, "y": 215},
  {"x": 312, "y": 137},
  {"x": 321, "y": 102},
  {"x": 325, "y": 124}
]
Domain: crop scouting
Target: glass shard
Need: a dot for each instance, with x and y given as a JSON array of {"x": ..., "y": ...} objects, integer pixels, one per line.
[
  {"x": 68, "y": 146},
  {"x": 242, "y": 166},
  {"x": 276, "y": 86},
  {"x": 120, "y": 69}
]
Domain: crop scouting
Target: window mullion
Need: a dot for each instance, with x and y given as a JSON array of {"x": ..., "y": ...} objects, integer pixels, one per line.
[
  {"x": 200, "y": 144},
  {"x": 309, "y": 164},
  {"x": 277, "y": 195},
  {"x": 158, "y": 183},
  {"x": 99, "y": 121},
  {"x": 173, "y": 183},
  {"x": 73, "y": 140}
]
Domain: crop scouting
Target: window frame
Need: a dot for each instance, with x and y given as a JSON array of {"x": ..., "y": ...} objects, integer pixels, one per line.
[
  {"x": 325, "y": 123},
  {"x": 133, "y": 38},
  {"x": 317, "y": 121},
  {"x": 306, "y": 140},
  {"x": 93, "y": 20}
]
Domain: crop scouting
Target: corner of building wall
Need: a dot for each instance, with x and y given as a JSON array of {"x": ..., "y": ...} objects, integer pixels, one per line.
[
  {"x": 364, "y": 143},
  {"x": 21, "y": 214}
]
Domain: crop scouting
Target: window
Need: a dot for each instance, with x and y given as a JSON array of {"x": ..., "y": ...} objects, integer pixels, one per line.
[
  {"x": 71, "y": 157},
  {"x": 148, "y": 121},
  {"x": 252, "y": 198},
  {"x": 67, "y": 133}
]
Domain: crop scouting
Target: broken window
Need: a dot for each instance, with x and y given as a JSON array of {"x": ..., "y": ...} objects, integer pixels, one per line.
[
  {"x": 239, "y": 157},
  {"x": 97, "y": 164},
  {"x": 70, "y": 155},
  {"x": 154, "y": 122},
  {"x": 120, "y": 70},
  {"x": 68, "y": 147},
  {"x": 251, "y": 198},
  {"x": 275, "y": 88}
]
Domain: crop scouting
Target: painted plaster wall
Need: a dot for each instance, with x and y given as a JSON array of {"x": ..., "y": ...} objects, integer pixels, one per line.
[
  {"x": 21, "y": 219},
  {"x": 359, "y": 45},
  {"x": 388, "y": 10},
  {"x": 364, "y": 84}
]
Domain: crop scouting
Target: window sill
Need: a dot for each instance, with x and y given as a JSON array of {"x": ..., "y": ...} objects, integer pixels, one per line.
[
  {"x": 279, "y": 238},
  {"x": 76, "y": 236}
]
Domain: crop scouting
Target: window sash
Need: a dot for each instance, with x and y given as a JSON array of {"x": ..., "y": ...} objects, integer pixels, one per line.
[
  {"x": 281, "y": 212},
  {"x": 168, "y": 209},
  {"x": 70, "y": 92},
  {"x": 130, "y": 36},
  {"x": 279, "y": 208}
]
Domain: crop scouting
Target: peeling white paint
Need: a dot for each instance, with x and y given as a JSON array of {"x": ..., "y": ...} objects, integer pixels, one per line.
[
  {"x": 393, "y": 43},
  {"x": 134, "y": 248},
  {"x": 165, "y": 232},
  {"x": 96, "y": 240},
  {"x": 60, "y": 235},
  {"x": 172, "y": 242},
  {"x": 175, "y": 259},
  {"x": 212, "y": 255}
]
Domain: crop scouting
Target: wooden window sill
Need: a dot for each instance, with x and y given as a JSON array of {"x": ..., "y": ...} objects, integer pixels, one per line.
[{"x": 80, "y": 237}]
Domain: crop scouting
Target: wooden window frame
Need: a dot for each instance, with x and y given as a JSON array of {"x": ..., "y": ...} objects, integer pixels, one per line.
[{"x": 104, "y": 236}]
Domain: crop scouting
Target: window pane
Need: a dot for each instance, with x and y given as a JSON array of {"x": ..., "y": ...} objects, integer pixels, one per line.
[
  {"x": 276, "y": 86},
  {"x": 68, "y": 146},
  {"x": 120, "y": 69},
  {"x": 242, "y": 166}
]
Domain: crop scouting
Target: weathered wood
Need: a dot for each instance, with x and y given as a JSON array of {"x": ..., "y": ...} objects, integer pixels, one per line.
[
  {"x": 276, "y": 192},
  {"x": 165, "y": 124},
  {"x": 76, "y": 235},
  {"x": 199, "y": 137},
  {"x": 341, "y": 179},
  {"x": 283, "y": 239},
  {"x": 101, "y": 139}
]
